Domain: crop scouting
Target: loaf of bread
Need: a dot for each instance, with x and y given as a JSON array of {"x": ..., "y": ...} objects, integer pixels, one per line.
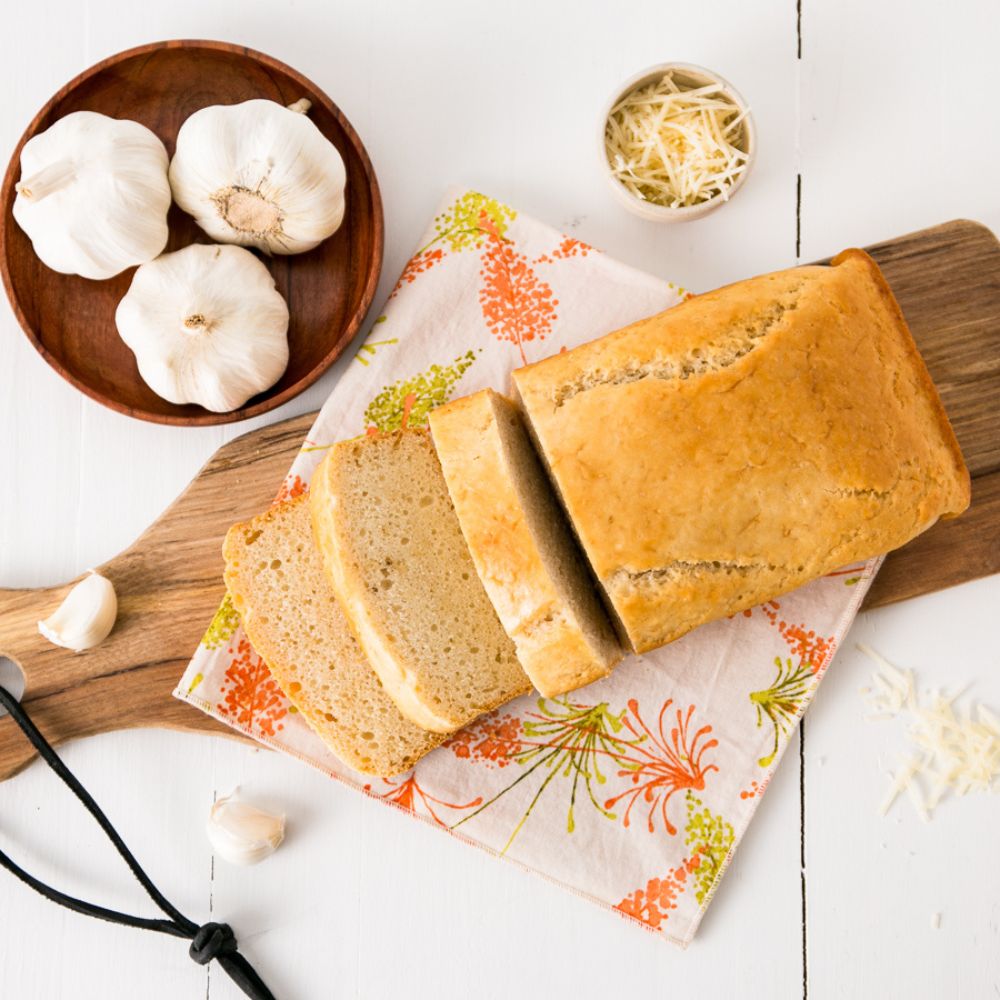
[
  {"x": 743, "y": 443},
  {"x": 398, "y": 563},
  {"x": 533, "y": 571},
  {"x": 276, "y": 581}
]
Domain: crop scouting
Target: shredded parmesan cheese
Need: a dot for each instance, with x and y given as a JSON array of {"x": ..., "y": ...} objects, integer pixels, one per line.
[
  {"x": 677, "y": 147},
  {"x": 955, "y": 753}
]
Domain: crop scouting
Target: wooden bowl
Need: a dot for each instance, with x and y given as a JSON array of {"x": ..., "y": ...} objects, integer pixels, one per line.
[{"x": 71, "y": 320}]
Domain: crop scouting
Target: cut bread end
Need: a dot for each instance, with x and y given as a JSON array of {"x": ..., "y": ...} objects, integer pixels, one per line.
[
  {"x": 523, "y": 550},
  {"x": 276, "y": 581},
  {"x": 398, "y": 563}
]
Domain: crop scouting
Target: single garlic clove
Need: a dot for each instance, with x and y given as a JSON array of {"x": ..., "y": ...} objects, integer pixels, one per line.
[
  {"x": 242, "y": 834},
  {"x": 85, "y": 617}
]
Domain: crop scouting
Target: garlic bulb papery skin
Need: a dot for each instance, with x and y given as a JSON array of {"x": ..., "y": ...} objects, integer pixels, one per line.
[
  {"x": 259, "y": 174},
  {"x": 206, "y": 325},
  {"x": 85, "y": 617},
  {"x": 242, "y": 834},
  {"x": 94, "y": 194}
]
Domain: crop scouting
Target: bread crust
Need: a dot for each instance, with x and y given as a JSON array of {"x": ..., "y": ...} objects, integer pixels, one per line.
[
  {"x": 744, "y": 442},
  {"x": 552, "y": 643}
]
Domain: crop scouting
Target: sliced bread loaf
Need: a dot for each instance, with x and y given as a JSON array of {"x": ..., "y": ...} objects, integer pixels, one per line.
[
  {"x": 743, "y": 443},
  {"x": 276, "y": 580},
  {"x": 394, "y": 552},
  {"x": 524, "y": 553}
]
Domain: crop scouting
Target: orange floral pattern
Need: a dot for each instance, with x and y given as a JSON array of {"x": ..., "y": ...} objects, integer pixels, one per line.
[
  {"x": 517, "y": 305},
  {"x": 652, "y": 904},
  {"x": 292, "y": 487},
  {"x": 408, "y": 795},
  {"x": 420, "y": 262},
  {"x": 755, "y": 790},
  {"x": 568, "y": 248},
  {"x": 813, "y": 651},
  {"x": 659, "y": 767},
  {"x": 711, "y": 839},
  {"x": 250, "y": 696},
  {"x": 492, "y": 740},
  {"x": 573, "y": 740}
]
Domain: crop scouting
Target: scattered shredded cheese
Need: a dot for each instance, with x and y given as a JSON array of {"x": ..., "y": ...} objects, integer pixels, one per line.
[
  {"x": 676, "y": 147},
  {"x": 955, "y": 753}
]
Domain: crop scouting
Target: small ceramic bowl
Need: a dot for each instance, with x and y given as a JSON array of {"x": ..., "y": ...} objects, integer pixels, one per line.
[{"x": 687, "y": 76}]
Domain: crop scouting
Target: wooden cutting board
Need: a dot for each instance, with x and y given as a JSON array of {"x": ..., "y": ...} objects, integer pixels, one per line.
[{"x": 169, "y": 582}]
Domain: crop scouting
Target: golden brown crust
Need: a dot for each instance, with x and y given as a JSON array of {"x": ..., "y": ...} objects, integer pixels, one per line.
[
  {"x": 909, "y": 345},
  {"x": 743, "y": 443},
  {"x": 516, "y": 566}
]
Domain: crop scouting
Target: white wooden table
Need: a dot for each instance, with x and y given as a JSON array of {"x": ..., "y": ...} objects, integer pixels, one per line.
[{"x": 884, "y": 109}]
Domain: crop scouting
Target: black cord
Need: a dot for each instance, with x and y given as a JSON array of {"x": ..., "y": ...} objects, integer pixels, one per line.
[{"x": 208, "y": 941}]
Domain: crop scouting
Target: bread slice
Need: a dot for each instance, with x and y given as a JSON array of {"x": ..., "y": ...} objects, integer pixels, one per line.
[
  {"x": 745, "y": 442},
  {"x": 276, "y": 581},
  {"x": 399, "y": 565},
  {"x": 524, "y": 553}
]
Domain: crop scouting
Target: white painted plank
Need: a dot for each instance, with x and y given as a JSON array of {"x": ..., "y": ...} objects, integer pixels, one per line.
[
  {"x": 893, "y": 140},
  {"x": 151, "y": 788},
  {"x": 874, "y": 883},
  {"x": 895, "y": 132}
]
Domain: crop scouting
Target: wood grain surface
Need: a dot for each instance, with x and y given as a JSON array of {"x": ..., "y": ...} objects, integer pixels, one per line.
[
  {"x": 169, "y": 582},
  {"x": 70, "y": 320},
  {"x": 947, "y": 280}
]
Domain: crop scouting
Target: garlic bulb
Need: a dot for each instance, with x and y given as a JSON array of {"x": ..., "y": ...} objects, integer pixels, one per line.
[
  {"x": 93, "y": 195},
  {"x": 206, "y": 325},
  {"x": 86, "y": 615},
  {"x": 241, "y": 833},
  {"x": 260, "y": 175}
]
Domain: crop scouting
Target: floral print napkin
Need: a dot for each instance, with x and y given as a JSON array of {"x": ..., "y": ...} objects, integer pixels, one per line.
[{"x": 633, "y": 791}]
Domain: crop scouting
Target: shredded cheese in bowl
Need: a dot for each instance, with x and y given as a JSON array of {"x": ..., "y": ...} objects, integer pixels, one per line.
[{"x": 675, "y": 144}]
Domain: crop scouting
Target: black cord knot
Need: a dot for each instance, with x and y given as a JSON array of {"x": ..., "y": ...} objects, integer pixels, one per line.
[
  {"x": 208, "y": 942},
  {"x": 211, "y": 941}
]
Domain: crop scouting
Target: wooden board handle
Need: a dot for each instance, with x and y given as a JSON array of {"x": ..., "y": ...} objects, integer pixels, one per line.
[{"x": 169, "y": 584}]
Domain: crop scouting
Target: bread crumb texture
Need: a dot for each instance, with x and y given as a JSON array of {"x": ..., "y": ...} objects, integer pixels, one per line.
[
  {"x": 399, "y": 564},
  {"x": 276, "y": 582}
]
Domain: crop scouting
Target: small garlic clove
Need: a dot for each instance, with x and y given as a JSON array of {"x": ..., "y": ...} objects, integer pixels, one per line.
[
  {"x": 86, "y": 615},
  {"x": 242, "y": 834}
]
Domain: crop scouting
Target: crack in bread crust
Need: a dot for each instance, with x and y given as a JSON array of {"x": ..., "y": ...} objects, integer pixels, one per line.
[
  {"x": 722, "y": 351},
  {"x": 684, "y": 567},
  {"x": 852, "y": 492}
]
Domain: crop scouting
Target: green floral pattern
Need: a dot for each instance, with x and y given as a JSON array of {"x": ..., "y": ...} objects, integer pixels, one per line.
[
  {"x": 406, "y": 402},
  {"x": 462, "y": 226},
  {"x": 711, "y": 839},
  {"x": 222, "y": 626},
  {"x": 781, "y": 703}
]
